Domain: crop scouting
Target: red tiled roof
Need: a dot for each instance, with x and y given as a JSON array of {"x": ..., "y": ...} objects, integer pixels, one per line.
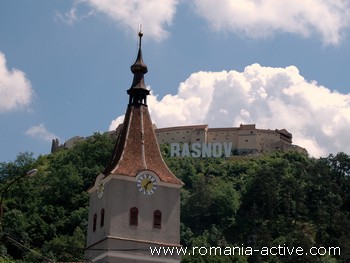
[{"x": 137, "y": 148}]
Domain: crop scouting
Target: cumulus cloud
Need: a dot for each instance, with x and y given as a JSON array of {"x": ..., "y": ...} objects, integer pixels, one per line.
[
  {"x": 15, "y": 89},
  {"x": 252, "y": 18},
  {"x": 272, "y": 98},
  {"x": 154, "y": 14},
  {"x": 40, "y": 132},
  {"x": 262, "y": 18},
  {"x": 115, "y": 123}
]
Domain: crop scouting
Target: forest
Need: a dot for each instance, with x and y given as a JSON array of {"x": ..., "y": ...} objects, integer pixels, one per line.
[{"x": 266, "y": 200}]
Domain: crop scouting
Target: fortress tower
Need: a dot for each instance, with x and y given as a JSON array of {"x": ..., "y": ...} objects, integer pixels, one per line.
[{"x": 135, "y": 202}]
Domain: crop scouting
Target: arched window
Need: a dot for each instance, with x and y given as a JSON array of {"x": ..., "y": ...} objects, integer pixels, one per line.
[
  {"x": 94, "y": 223},
  {"x": 134, "y": 214},
  {"x": 102, "y": 223},
  {"x": 157, "y": 219}
]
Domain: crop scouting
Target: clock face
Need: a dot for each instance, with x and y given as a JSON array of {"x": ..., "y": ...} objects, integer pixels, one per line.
[{"x": 146, "y": 183}]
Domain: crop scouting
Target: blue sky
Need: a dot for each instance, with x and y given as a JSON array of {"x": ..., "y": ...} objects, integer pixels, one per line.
[{"x": 65, "y": 67}]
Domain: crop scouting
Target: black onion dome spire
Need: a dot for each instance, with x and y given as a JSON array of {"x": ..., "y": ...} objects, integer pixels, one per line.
[{"x": 138, "y": 92}]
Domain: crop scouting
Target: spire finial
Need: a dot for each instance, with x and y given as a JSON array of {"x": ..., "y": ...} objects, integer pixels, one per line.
[
  {"x": 140, "y": 35},
  {"x": 138, "y": 91},
  {"x": 140, "y": 30}
]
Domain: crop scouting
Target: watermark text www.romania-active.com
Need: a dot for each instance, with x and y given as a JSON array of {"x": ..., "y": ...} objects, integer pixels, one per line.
[{"x": 245, "y": 251}]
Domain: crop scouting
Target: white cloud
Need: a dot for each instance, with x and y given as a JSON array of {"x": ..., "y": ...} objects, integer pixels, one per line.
[
  {"x": 15, "y": 89},
  {"x": 318, "y": 118},
  {"x": 68, "y": 17},
  {"x": 252, "y": 18},
  {"x": 155, "y": 15},
  {"x": 40, "y": 132},
  {"x": 114, "y": 124},
  {"x": 262, "y": 18},
  {"x": 72, "y": 15}
]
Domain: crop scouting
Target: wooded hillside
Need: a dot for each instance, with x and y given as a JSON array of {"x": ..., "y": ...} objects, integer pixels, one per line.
[{"x": 285, "y": 199}]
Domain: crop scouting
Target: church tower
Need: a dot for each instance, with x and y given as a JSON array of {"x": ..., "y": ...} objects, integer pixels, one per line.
[{"x": 135, "y": 202}]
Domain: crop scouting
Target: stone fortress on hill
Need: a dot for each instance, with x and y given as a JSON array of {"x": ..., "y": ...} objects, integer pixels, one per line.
[{"x": 245, "y": 139}]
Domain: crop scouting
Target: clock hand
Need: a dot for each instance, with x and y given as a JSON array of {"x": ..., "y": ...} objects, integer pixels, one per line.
[{"x": 147, "y": 184}]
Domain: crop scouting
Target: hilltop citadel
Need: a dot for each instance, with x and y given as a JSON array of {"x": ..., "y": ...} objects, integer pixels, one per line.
[{"x": 245, "y": 139}]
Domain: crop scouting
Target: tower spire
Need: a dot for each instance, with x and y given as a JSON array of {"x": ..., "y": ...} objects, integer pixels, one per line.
[
  {"x": 138, "y": 91},
  {"x": 137, "y": 146}
]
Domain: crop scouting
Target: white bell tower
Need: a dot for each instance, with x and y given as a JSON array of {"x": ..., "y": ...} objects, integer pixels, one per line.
[{"x": 135, "y": 203}]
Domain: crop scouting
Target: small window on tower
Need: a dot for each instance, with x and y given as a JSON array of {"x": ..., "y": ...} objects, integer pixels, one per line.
[
  {"x": 94, "y": 223},
  {"x": 134, "y": 214},
  {"x": 102, "y": 218},
  {"x": 157, "y": 219}
]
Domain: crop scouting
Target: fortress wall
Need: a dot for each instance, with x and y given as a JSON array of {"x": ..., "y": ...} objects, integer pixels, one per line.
[
  {"x": 266, "y": 139},
  {"x": 174, "y": 136},
  {"x": 199, "y": 136},
  {"x": 223, "y": 135},
  {"x": 182, "y": 134},
  {"x": 245, "y": 138}
]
